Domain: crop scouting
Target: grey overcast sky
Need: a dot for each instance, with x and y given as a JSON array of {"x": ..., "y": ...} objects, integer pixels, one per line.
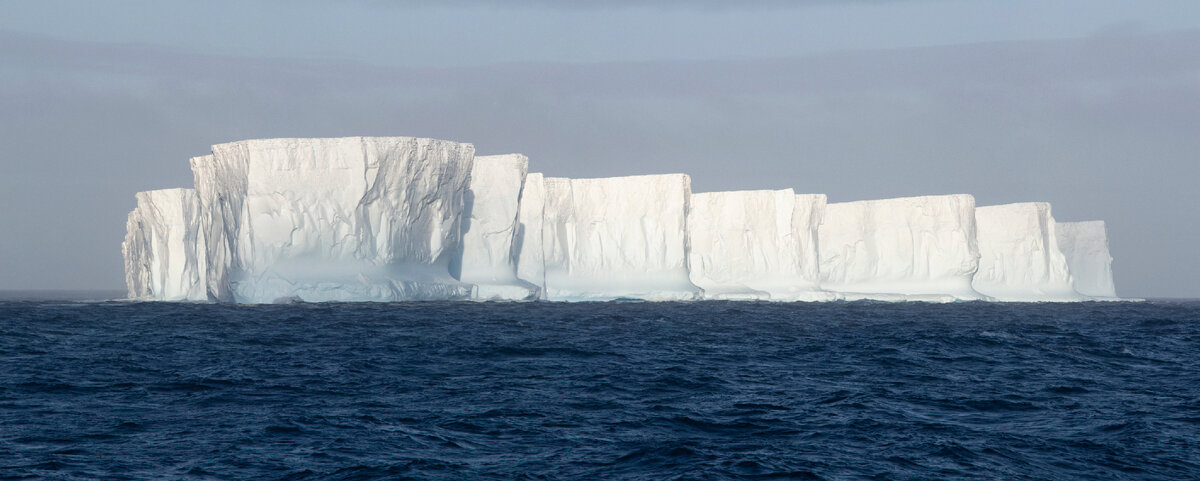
[{"x": 1091, "y": 105}]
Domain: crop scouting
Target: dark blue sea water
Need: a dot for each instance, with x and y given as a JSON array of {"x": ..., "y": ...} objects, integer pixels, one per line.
[{"x": 711, "y": 390}]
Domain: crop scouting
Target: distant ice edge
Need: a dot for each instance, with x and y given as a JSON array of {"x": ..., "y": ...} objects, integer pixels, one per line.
[{"x": 401, "y": 219}]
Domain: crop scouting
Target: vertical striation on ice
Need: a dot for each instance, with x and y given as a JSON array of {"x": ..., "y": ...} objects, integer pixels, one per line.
[
  {"x": 531, "y": 267},
  {"x": 164, "y": 247},
  {"x": 905, "y": 248},
  {"x": 345, "y": 219},
  {"x": 220, "y": 189},
  {"x": 618, "y": 237},
  {"x": 757, "y": 244},
  {"x": 1085, "y": 245},
  {"x": 489, "y": 253},
  {"x": 1019, "y": 255},
  {"x": 807, "y": 215}
]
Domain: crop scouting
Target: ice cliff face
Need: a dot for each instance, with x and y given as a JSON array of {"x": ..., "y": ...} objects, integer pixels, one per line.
[
  {"x": 531, "y": 267},
  {"x": 346, "y": 219},
  {"x": 619, "y": 237},
  {"x": 907, "y": 248},
  {"x": 1085, "y": 245},
  {"x": 164, "y": 247},
  {"x": 1020, "y": 259},
  {"x": 489, "y": 249},
  {"x": 755, "y": 245}
]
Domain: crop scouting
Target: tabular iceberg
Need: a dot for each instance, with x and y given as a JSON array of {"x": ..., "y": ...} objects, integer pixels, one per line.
[
  {"x": 1019, "y": 256},
  {"x": 531, "y": 267},
  {"x": 163, "y": 247},
  {"x": 1085, "y": 245},
  {"x": 346, "y": 219},
  {"x": 489, "y": 253},
  {"x": 402, "y": 218},
  {"x": 758, "y": 244},
  {"x": 908, "y": 248},
  {"x": 618, "y": 237}
]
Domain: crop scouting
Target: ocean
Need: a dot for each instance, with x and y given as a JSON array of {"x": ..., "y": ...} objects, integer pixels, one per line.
[{"x": 618, "y": 390}]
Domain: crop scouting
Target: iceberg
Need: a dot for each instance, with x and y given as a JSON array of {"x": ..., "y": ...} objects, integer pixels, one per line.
[
  {"x": 617, "y": 237},
  {"x": 911, "y": 248},
  {"x": 758, "y": 244},
  {"x": 342, "y": 219},
  {"x": 404, "y": 218},
  {"x": 531, "y": 267},
  {"x": 491, "y": 224},
  {"x": 1085, "y": 245},
  {"x": 1019, "y": 256},
  {"x": 164, "y": 247}
]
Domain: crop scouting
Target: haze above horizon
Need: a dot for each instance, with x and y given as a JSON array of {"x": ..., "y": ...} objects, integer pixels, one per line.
[{"x": 1091, "y": 106}]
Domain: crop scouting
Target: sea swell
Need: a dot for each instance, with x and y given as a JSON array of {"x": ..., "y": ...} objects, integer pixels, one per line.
[{"x": 703, "y": 390}]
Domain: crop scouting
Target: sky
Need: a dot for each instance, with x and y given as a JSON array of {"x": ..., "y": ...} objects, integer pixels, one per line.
[{"x": 1092, "y": 105}]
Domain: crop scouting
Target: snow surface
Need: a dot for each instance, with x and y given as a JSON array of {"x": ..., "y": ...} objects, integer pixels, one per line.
[
  {"x": 617, "y": 237},
  {"x": 755, "y": 244},
  {"x": 919, "y": 248},
  {"x": 489, "y": 255},
  {"x": 1019, "y": 255},
  {"x": 1085, "y": 245},
  {"x": 531, "y": 267},
  {"x": 344, "y": 219},
  {"x": 163, "y": 247}
]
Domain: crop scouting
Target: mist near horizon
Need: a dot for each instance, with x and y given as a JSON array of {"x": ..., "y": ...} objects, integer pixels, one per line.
[{"x": 1094, "y": 113}]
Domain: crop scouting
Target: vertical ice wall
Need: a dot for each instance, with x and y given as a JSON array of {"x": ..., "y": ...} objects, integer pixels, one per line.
[
  {"x": 164, "y": 247},
  {"x": 531, "y": 267},
  {"x": 1085, "y": 245},
  {"x": 757, "y": 244},
  {"x": 352, "y": 219},
  {"x": 618, "y": 237},
  {"x": 220, "y": 189},
  {"x": 1019, "y": 255},
  {"x": 490, "y": 227},
  {"x": 807, "y": 215},
  {"x": 912, "y": 247}
]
